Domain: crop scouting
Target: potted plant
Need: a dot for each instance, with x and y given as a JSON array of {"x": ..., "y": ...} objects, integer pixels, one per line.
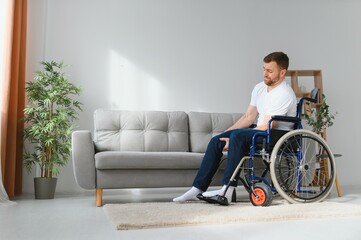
[
  {"x": 48, "y": 117},
  {"x": 319, "y": 119}
]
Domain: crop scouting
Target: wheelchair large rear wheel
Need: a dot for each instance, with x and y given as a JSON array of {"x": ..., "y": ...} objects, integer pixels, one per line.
[{"x": 302, "y": 167}]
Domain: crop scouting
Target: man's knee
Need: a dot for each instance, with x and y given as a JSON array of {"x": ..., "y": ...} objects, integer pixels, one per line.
[
  {"x": 216, "y": 142},
  {"x": 236, "y": 136}
]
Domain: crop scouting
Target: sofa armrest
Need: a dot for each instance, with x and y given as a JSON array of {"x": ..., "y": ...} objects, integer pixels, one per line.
[{"x": 83, "y": 156}]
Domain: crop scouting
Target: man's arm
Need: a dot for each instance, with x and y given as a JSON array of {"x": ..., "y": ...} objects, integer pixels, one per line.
[
  {"x": 264, "y": 125},
  {"x": 244, "y": 122},
  {"x": 247, "y": 119}
]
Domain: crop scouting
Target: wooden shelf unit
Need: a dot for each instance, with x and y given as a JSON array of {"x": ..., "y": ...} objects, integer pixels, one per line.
[{"x": 317, "y": 79}]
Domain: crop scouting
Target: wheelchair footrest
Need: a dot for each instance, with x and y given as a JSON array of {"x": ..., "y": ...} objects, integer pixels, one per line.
[{"x": 214, "y": 199}]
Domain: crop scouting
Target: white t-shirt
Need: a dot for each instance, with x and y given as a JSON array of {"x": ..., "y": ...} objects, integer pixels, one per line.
[{"x": 279, "y": 101}]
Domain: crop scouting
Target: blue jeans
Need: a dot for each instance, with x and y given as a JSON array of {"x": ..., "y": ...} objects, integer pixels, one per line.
[{"x": 239, "y": 144}]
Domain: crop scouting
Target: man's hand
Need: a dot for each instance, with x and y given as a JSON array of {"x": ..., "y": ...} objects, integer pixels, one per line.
[{"x": 227, "y": 143}]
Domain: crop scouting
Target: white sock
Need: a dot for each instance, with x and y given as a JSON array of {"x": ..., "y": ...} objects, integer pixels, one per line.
[
  {"x": 220, "y": 192},
  {"x": 191, "y": 194}
]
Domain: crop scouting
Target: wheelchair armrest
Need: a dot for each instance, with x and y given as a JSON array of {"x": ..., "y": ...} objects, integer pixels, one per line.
[
  {"x": 280, "y": 118},
  {"x": 285, "y": 119}
]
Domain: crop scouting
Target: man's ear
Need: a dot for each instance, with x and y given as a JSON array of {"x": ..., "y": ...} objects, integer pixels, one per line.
[{"x": 283, "y": 73}]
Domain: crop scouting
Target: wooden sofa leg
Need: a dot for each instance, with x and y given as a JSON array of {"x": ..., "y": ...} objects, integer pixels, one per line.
[{"x": 99, "y": 197}]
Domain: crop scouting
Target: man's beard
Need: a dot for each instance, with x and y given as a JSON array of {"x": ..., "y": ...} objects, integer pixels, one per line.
[{"x": 271, "y": 82}]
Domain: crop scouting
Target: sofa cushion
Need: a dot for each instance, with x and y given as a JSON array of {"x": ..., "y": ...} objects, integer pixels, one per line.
[
  {"x": 203, "y": 126},
  {"x": 145, "y": 131},
  {"x": 147, "y": 160}
]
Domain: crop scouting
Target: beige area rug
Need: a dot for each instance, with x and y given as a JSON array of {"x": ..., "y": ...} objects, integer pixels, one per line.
[{"x": 169, "y": 214}]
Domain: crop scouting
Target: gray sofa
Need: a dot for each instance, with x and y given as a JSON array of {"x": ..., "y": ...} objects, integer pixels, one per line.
[{"x": 144, "y": 149}]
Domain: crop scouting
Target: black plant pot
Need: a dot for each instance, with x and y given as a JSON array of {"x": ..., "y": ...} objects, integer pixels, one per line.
[{"x": 44, "y": 187}]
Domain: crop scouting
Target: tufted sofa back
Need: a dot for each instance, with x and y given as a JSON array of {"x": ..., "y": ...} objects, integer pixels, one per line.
[
  {"x": 156, "y": 131},
  {"x": 146, "y": 131},
  {"x": 203, "y": 126}
]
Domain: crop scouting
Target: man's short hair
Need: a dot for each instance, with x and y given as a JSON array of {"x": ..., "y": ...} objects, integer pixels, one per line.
[{"x": 279, "y": 57}]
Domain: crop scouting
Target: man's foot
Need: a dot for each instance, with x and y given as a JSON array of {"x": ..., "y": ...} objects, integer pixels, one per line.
[{"x": 190, "y": 195}]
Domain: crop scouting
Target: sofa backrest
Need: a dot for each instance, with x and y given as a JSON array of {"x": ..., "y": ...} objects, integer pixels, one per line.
[
  {"x": 203, "y": 126},
  {"x": 150, "y": 131}
]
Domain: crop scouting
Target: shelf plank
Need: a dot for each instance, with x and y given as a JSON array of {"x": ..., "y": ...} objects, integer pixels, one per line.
[{"x": 303, "y": 73}]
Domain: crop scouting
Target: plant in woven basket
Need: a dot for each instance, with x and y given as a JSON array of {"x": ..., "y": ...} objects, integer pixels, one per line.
[
  {"x": 49, "y": 117},
  {"x": 321, "y": 118}
]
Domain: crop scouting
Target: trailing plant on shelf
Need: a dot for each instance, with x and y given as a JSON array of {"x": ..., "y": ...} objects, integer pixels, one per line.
[
  {"x": 49, "y": 114},
  {"x": 321, "y": 118}
]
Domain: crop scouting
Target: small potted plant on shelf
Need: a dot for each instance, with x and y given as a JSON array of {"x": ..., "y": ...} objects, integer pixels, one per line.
[
  {"x": 49, "y": 116},
  {"x": 319, "y": 118}
]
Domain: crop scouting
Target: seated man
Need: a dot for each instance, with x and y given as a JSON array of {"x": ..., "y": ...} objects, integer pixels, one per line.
[{"x": 273, "y": 96}]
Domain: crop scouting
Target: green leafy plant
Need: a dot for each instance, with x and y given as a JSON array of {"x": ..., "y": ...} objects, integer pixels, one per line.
[
  {"x": 48, "y": 118},
  {"x": 319, "y": 119}
]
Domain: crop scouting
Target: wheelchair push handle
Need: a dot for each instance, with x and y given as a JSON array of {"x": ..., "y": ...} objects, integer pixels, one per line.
[{"x": 300, "y": 104}]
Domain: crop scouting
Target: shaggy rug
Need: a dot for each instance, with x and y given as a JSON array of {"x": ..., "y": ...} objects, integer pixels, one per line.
[{"x": 169, "y": 214}]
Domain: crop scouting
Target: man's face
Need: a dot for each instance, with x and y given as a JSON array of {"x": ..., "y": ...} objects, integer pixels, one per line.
[{"x": 272, "y": 74}]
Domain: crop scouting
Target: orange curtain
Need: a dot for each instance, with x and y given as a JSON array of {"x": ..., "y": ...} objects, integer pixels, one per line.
[{"x": 13, "y": 98}]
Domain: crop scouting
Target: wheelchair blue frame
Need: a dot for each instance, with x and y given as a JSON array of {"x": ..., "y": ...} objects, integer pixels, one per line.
[
  {"x": 292, "y": 158},
  {"x": 267, "y": 136},
  {"x": 264, "y": 153}
]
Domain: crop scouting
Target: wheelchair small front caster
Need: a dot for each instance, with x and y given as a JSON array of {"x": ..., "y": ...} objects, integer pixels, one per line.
[{"x": 261, "y": 195}]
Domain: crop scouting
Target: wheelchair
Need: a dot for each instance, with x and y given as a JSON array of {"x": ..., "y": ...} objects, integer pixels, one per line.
[{"x": 298, "y": 165}]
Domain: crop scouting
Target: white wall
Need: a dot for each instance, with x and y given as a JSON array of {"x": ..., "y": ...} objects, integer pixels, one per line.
[{"x": 203, "y": 55}]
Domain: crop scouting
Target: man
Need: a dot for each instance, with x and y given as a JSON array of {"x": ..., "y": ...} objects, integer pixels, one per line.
[{"x": 271, "y": 97}]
